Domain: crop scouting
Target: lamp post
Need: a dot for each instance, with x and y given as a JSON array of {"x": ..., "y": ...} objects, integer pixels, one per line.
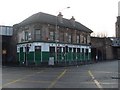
[{"x": 56, "y": 35}]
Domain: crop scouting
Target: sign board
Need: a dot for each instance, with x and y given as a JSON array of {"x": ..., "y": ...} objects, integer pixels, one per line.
[
  {"x": 115, "y": 42},
  {"x": 51, "y": 61},
  {"x": 4, "y": 52}
]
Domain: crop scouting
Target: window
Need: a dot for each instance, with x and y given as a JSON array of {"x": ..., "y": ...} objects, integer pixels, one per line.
[
  {"x": 82, "y": 38},
  {"x": 88, "y": 39},
  {"x": 20, "y": 37},
  {"x": 85, "y": 39},
  {"x": 38, "y": 34},
  {"x": 82, "y": 51},
  {"x": 74, "y": 50},
  {"x": 52, "y": 51},
  {"x": 37, "y": 48},
  {"x": 78, "y": 39},
  {"x": 66, "y": 37},
  {"x": 61, "y": 37},
  {"x": 52, "y": 37},
  {"x": 70, "y": 49},
  {"x": 3, "y": 30},
  {"x": 78, "y": 50},
  {"x": 26, "y": 35},
  {"x": 86, "y": 51},
  {"x": 69, "y": 38}
]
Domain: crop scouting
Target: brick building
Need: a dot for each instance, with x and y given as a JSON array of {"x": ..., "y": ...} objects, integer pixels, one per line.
[
  {"x": 102, "y": 48},
  {"x": 118, "y": 27},
  {"x": 117, "y": 24},
  {"x": 105, "y": 48},
  {"x": 42, "y": 37},
  {"x": 6, "y": 33}
]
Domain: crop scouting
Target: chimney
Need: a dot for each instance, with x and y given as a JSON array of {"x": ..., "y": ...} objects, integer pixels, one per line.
[
  {"x": 119, "y": 8},
  {"x": 60, "y": 17},
  {"x": 72, "y": 20}
]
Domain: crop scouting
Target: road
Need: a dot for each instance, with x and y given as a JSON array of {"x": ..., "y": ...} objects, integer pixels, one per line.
[{"x": 97, "y": 75}]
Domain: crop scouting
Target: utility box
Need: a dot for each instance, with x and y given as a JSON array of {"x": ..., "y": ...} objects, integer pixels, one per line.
[{"x": 51, "y": 61}]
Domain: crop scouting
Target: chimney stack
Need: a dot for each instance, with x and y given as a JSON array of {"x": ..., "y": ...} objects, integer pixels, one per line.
[
  {"x": 119, "y": 8},
  {"x": 72, "y": 20},
  {"x": 60, "y": 17}
]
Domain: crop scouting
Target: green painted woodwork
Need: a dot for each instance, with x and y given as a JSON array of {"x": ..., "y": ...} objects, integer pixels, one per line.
[
  {"x": 82, "y": 57},
  {"x": 78, "y": 56},
  {"x": 70, "y": 56},
  {"x": 18, "y": 56},
  {"x": 37, "y": 57},
  {"x": 30, "y": 57},
  {"x": 62, "y": 57},
  {"x": 45, "y": 56},
  {"x": 21, "y": 56}
]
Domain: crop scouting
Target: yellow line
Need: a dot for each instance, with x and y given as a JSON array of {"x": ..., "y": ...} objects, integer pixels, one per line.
[
  {"x": 35, "y": 81},
  {"x": 90, "y": 73},
  {"x": 54, "y": 82},
  {"x": 95, "y": 81},
  {"x": 14, "y": 81},
  {"x": 17, "y": 80}
]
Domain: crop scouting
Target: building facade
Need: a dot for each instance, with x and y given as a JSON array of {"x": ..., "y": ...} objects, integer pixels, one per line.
[
  {"x": 116, "y": 47},
  {"x": 116, "y": 41},
  {"x": 118, "y": 27},
  {"x": 105, "y": 48},
  {"x": 6, "y": 33},
  {"x": 117, "y": 24},
  {"x": 42, "y": 38},
  {"x": 102, "y": 48}
]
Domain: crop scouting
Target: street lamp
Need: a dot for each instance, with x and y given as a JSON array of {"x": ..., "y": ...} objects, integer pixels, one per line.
[{"x": 56, "y": 36}]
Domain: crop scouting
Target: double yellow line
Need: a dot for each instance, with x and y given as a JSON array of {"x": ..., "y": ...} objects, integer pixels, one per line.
[{"x": 59, "y": 76}]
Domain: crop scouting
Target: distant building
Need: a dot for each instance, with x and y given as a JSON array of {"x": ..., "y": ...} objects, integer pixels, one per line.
[
  {"x": 102, "y": 48},
  {"x": 118, "y": 27},
  {"x": 107, "y": 48},
  {"x": 43, "y": 37},
  {"x": 6, "y": 33},
  {"x": 117, "y": 24},
  {"x": 116, "y": 47},
  {"x": 116, "y": 41}
]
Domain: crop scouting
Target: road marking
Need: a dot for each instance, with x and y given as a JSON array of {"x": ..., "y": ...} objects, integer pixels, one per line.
[
  {"x": 14, "y": 81},
  {"x": 54, "y": 82},
  {"x": 17, "y": 80},
  {"x": 95, "y": 81},
  {"x": 32, "y": 81},
  {"x": 90, "y": 73}
]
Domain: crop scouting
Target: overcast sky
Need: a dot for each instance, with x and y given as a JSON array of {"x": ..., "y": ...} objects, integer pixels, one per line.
[{"x": 98, "y": 15}]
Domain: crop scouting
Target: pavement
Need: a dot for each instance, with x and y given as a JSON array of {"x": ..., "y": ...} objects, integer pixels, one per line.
[{"x": 98, "y": 75}]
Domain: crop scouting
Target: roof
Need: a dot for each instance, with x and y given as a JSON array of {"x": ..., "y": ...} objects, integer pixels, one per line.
[{"x": 51, "y": 19}]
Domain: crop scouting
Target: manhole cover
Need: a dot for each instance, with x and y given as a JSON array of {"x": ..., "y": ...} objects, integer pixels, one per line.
[{"x": 115, "y": 77}]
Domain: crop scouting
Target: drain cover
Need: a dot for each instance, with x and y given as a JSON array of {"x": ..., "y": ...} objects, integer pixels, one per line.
[{"x": 115, "y": 77}]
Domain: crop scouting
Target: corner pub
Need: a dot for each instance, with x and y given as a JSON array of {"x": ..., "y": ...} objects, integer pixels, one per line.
[{"x": 43, "y": 37}]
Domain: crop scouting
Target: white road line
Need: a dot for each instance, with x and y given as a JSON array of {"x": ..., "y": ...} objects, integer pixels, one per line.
[{"x": 95, "y": 81}]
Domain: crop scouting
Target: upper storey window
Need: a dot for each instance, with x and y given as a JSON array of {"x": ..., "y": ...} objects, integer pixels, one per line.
[
  {"x": 24, "y": 36},
  {"x": 52, "y": 36},
  {"x": 37, "y": 34}
]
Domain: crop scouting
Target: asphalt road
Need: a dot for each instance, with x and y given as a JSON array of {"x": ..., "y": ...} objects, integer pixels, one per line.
[{"x": 97, "y": 75}]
